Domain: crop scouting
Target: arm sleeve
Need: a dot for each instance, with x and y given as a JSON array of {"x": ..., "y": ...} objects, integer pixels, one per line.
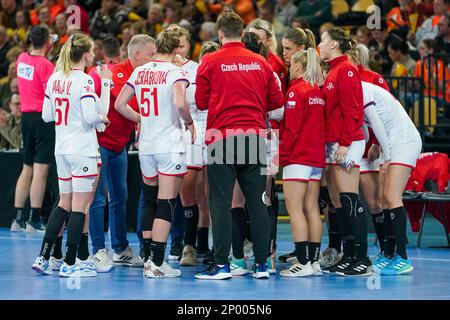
[
  {"x": 202, "y": 86},
  {"x": 88, "y": 104},
  {"x": 381, "y": 82},
  {"x": 274, "y": 94},
  {"x": 276, "y": 114},
  {"x": 48, "y": 112},
  {"x": 378, "y": 129},
  {"x": 350, "y": 93},
  {"x": 97, "y": 81}
]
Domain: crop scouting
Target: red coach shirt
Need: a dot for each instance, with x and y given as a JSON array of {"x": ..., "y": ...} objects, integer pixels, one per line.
[
  {"x": 238, "y": 87},
  {"x": 344, "y": 112},
  {"x": 303, "y": 126},
  {"x": 117, "y": 134}
]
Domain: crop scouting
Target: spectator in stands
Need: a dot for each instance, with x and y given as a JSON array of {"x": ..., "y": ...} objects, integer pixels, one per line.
[
  {"x": 267, "y": 12},
  {"x": 10, "y": 125},
  {"x": 244, "y": 8},
  {"x": 443, "y": 38},
  {"x": 139, "y": 8},
  {"x": 48, "y": 15},
  {"x": 429, "y": 29},
  {"x": 285, "y": 12},
  {"x": 193, "y": 12},
  {"x": 13, "y": 85},
  {"x": 127, "y": 32},
  {"x": 5, "y": 86},
  {"x": 364, "y": 36},
  {"x": 44, "y": 15},
  {"x": 298, "y": 22},
  {"x": 108, "y": 19},
  {"x": 382, "y": 38},
  {"x": 23, "y": 24},
  {"x": 99, "y": 54},
  {"x": 5, "y": 45},
  {"x": 74, "y": 7},
  {"x": 314, "y": 12},
  {"x": 61, "y": 28},
  {"x": 208, "y": 32},
  {"x": 8, "y": 13},
  {"x": 154, "y": 23},
  {"x": 404, "y": 65}
]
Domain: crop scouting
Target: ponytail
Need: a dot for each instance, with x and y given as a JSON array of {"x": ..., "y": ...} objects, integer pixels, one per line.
[
  {"x": 64, "y": 62},
  {"x": 345, "y": 42},
  {"x": 361, "y": 55},
  {"x": 310, "y": 62},
  {"x": 72, "y": 51},
  {"x": 310, "y": 39},
  {"x": 301, "y": 37}
]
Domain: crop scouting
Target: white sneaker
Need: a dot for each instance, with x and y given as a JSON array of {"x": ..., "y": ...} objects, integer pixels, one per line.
[
  {"x": 127, "y": 258},
  {"x": 75, "y": 271},
  {"x": 88, "y": 264},
  {"x": 33, "y": 227},
  {"x": 55, "y": 264},
  {"x": 298, "y": 270},
  {"x": 164, "y": 271},
  {"x": 317, "y": 269},
  {"x": 15, "y": 227},
  {"x": 102, "y": 261},
  {"x": 41, "y": 265}
]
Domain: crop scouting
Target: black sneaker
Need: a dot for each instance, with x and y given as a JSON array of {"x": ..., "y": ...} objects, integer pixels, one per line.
[
  {"x": 362, "y": 267},
  {"x": 175, "y": 252},
  {"x": 340, "y": 266},
  {"x": 285, "y": 257}
]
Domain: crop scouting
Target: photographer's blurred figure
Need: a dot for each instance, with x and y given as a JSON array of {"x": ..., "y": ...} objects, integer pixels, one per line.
[{"x": 10, "y": 125}]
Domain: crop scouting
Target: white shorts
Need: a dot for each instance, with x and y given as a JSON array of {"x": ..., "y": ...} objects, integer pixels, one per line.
[
  {"x": 76, "y": 173},
  {"x": 167, "y": 164},
  {"x": 406, "y": 154},
  {"x": 368, "y": 167},
  {"x": 196, "y": 154},
  {"x": 299, "y": 172},
  {"x": 355, "y": 152}
]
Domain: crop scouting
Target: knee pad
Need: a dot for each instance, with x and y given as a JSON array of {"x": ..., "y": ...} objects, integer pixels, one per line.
[
  {"x": 351, "y": 204},
  {"x": 324, "y": 198},
  {"x": 166, "y": 209}
]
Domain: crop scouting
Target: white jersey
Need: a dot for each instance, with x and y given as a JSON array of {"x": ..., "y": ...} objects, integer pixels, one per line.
[
  {"x": 190, "y": 67},
  {"x": 161, "y": 130},
  {"x": 387, "y": 118},
  {"x": 70, "y": 101}
]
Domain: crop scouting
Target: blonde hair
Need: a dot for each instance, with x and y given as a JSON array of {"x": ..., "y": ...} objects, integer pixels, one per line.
[
  {"x": 72, "y": 51},
  {"x": 167, "y": 42},
  {"x": 137, "y": 42},
  {"x": 361, "y": 55},
  {"x": 301, "y": 37},
  {"x": 208, "y": 47},
  {"x": 310, "y": 62}
]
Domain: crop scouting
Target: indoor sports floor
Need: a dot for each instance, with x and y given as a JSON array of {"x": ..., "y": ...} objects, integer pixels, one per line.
[{"x": 430, "y": 279}]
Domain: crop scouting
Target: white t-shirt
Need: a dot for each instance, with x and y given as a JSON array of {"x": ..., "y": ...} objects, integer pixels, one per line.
[
  {"x": 70, "y": 101},
  {"x": 387, "y": 118},
  {"x": 190, "y": 67},
  {"x": 161, "y": 130}
]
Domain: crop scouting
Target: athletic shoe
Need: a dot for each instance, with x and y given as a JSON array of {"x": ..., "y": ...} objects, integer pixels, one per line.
[
  {"x": 260, "y": 271},
  {"x": 317, "y": 269},
  {"x": 201, "y": 255},
  {"x": 102, "y": 261},
  {"x": 271, "y": 264},
  {"x": 342, "y": 265},
  {"x": 17, "y": 226},
  {"x": 76, "y": 270},
  {"x": 55, "y": 264},
  {"x": 209, "y": 259},
  {"x": 188, "y": 257},
  {"x": 298, "y": 270},
  {"x": 362, "y": 267},
  {"x": 248, "y": 249},
  {"x": 214, "y": 272},
  {"x": 176, "y": 252},
  {"x": 163, "y": 271},
  {"x": 88, "y": 264},
  {"x": 398, "y": 266},
  {"x": 285, "y": 257},
  {"x": 127, "y": 258},
  {"x": 329, "y": 257},
  {"x": 239, "y": 267},
  {"x": 33, "y": 227},
  {"x": 41, "y": 265},
  {"x": 381, "y": 262}
]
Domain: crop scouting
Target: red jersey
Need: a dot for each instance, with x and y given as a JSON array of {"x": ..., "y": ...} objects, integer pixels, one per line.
[
  {"x": 303, "y": 126},
  {"x": 238, "y": 87},
  {"x": 344, "y": 110},
  {"x": 279, "y": 68},
  {"x": 370, "y": 76},
  {"x": 117, "y": 134}
]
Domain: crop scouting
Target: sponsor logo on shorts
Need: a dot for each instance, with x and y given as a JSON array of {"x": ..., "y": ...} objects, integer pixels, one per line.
[
  {"x": 188, "y": 213},
  {"x": 85, "y": 169},
  {"x": 178, "y": 166}
]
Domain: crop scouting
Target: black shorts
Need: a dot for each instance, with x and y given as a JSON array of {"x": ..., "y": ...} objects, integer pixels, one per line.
[{"x": 38, "y": 139}]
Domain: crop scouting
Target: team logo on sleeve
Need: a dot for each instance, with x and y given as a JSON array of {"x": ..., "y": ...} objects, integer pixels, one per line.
[
  {"x": 291, "y": 94},
  {"x": 88, "y": 89},
  {"x": 380, "y": 80},
  {"x": 330, "y": 86},
  {"x": 350, "y": 74},
  {"x": 120, "y": 75}
]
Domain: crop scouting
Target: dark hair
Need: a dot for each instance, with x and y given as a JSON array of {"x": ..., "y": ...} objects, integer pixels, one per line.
[
  {"x": 26, "y": 16},
  {"x": 167, "y": 41},
  {"x": 345, "y": 42},
  {"x": 39, "y": 36},
  {"x": 230, "y": 24},
  {"x": 397, "y": 44},
  {"x": 432, "y": 44},
  {"x": 253, "y": 43},
  {"x": 111, "y": 47}
]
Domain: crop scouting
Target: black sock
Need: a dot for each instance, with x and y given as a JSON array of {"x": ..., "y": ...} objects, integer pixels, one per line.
[
  {"x": 334, "y": 235},
  {"x": 74, "y": 231},
  {"x": 348, "y": 243},
  {"x": 239, "y": 227},
  {"x": 83, "y": 247},
  {"x": 202, "y": 239},
  {"x": 301, "y": 251},
  {"x": 55, "y": 223},
  {"x": 398, "y": 217},
  {"x": 35, "y": 214},
  {"x": 57, "y": 248},
  {"x": 191, "y": 216},
  {"x": 313, "y": 251},
  {"x": 358, "y": 219},
  {"x": 273, "y": 228},
  {"x": 19, "y": 215},
  {"x": 378, "y": 223},
  {"x": 157, "y": 250},
  {"x": 149, "y": 206},
  {"x": 248, "y": 233},
  {"x": 146, "y": 248},
  {"x": 389, "y": 240}
]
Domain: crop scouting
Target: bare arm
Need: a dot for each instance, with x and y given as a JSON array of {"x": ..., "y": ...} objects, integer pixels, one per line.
[
  {"x": 179, "y": 101},
  {"x": 122, "y": 106}
]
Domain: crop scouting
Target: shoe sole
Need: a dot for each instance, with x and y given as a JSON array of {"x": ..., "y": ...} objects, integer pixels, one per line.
[
  {"x": 216, "y": 277},
  {"x": 173, "y": 257},
  {"x": 40, "y": 271},
  {"x": 152, "y": 276},
  {"x": 126, "y": 264},
  {"x": 399, "y": 273},
  {"x": 240, "y": 273},
  {"x": 296, "y": 275},
  {"x": 263, "y": 276},
  {"x": 79, "y": 275},
  {"x": 355, "y": 275},
  {"x": 105, "y": 270}
]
